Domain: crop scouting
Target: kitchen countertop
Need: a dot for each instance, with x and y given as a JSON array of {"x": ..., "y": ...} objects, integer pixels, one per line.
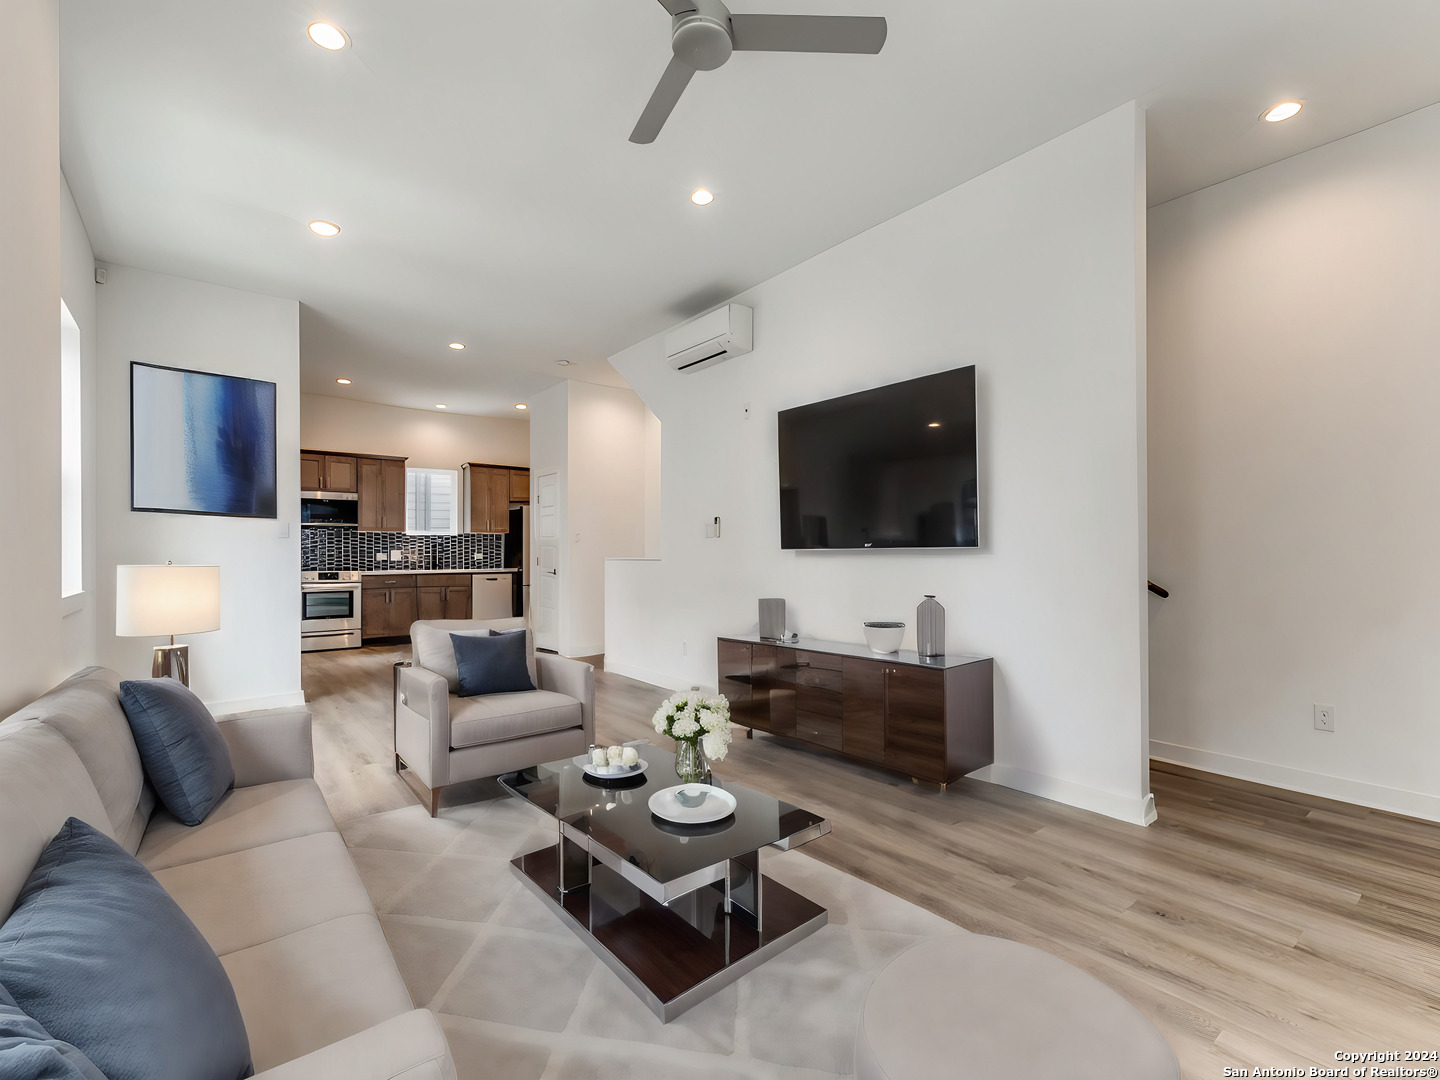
[{"x": 456, "y": 570}]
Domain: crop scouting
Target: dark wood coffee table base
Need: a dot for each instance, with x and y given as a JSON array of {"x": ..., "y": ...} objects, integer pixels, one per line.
[{"x": 672, "y": 957}]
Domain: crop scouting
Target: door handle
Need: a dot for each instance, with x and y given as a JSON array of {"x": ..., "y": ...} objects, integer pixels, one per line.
[{"x": 550, "y": 571}]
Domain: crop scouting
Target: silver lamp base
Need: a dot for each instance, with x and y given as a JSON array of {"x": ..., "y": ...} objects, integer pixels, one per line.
[{"x": 171, "y": 661}]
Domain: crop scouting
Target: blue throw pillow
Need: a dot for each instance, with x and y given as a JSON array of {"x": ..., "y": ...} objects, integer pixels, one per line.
[
  {"x": 27, "y": 1052},
  {"x": 493, "y": 664},
  {"x": 99, "y": 954},
  {"x": 180, "y": 745}
]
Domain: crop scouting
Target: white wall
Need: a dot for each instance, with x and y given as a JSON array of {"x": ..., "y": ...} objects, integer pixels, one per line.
[
  {"x": 431, "y": 440},
  {"x": 77, "y": 289},
  {"x": 253, "y": 661},
  {"x": 652, "y": 484},
  {"x": 606, "y": 502},
  {"x": 1294, "y": 470},
  {"x": 550, "y": 452},
  {"x": 596, "y": 438},
  {"x": 1034, "y": 273},
  {"x": 33, "y": 653}
]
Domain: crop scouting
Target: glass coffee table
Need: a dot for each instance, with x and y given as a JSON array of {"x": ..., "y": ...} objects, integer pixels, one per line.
[{"x": 677, "y": 911}]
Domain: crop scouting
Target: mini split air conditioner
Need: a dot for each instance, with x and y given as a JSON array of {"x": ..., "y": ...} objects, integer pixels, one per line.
[{"x": 725, "y": 332}]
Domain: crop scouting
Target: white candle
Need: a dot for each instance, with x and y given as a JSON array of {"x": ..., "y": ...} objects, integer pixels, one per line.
[
  {"x": 597, "y": 756},
  {"x": 630, "y": 756},
  {"x": 615, "y": 753}
]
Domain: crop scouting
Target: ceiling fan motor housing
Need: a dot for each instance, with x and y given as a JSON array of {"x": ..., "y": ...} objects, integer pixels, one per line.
[{"x": 701, "y": 38}]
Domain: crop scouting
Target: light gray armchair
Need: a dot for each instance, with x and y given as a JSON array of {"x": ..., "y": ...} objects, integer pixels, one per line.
[{"x": 444, "y": 739}]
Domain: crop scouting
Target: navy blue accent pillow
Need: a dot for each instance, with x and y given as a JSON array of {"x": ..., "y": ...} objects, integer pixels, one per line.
[
  {"x": 27, "y": 1052},
  {"x": 98, "y": 953},
  {"x": 180, "y": 745},
  {"x": 493, "y": 664}
]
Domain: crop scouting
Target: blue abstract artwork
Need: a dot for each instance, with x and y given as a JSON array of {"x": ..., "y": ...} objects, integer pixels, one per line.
[{"x": 201, "y": 443}]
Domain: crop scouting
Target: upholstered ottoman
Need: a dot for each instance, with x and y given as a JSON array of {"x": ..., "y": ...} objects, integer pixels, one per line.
[{"x": 981, "y": 1008}]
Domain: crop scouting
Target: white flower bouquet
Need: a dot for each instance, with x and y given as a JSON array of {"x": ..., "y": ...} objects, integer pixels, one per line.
[{"x": 691, "y": 716}]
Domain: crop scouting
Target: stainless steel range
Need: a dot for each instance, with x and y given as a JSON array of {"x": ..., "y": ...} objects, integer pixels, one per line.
[{"x": 329, "y": 610}]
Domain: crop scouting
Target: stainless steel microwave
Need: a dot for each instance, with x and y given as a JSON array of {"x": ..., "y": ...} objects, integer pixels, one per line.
[{"x": 329, "y": 508}]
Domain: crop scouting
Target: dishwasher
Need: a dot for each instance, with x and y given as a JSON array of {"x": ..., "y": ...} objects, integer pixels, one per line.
[{"x": 491, "y": 596}]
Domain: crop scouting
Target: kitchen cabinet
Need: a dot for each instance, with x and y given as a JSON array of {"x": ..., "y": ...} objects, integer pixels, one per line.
[
  {"x": 381, "y": 483},
  {"x": 442, "y": 596},
  {"x": 312, "y": 471},
  {"x": 519, "y": 485},
  {"x": 387, "y": 605},
  {"x": 340, "y": 472},
  {"x": 487, "y": 493},
  {"x": 320, "y": 471},
  {"x": 931, "y": 718}
]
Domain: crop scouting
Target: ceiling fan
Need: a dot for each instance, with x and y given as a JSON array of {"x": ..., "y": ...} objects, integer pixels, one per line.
[{"x": 704, "y": 33}]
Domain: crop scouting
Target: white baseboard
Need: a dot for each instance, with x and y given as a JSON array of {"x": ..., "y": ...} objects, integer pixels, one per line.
[
  {"x": 255, "y": 704},
  {"x": 1357, "y": 792},
  {"x": 1137, "y": 810},
  {"x": 645, "y": 675}
]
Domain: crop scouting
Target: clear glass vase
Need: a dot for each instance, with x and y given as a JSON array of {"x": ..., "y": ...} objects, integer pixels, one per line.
[{"x": 690, "y": 764}]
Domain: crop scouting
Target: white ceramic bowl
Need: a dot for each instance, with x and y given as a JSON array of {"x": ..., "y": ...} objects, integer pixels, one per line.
[{"x": 884, "y": 637}]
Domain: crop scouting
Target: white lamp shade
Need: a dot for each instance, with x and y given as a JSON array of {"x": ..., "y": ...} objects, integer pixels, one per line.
[{"x": 158, "y": 601}]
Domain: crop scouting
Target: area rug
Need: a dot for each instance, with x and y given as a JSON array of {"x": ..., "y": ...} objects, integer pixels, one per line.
[{"x": 520, "y": 997}]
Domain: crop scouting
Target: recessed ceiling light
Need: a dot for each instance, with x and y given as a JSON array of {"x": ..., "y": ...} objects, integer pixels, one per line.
[
  {"x": 457, "y": 345},
  {"x": 327, "y": 36},
  {"x": 701, "y": 197},
  {"x": 1282, "y": 111},
  {"x": 439, "y": 406},
  {"x": 343, "y": 382},
  {"x": 521, "y": 406},
  {"x": 324, "y": 228},
  {"x": 562, "y": 363},
  {"x": 933, "y": 423}
]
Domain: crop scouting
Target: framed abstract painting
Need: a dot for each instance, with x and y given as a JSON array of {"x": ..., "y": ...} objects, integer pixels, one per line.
[{"x": 201, "y": 443}]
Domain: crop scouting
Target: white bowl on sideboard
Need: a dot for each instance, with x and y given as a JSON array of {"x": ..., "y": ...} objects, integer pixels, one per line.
[{"x": 884, "y": 637}]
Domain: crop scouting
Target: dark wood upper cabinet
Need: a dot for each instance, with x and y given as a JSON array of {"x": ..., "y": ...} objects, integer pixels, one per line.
[
  {"x": 488, "y": 491},
  {"x": 519, "y": 485},
  {"x": 312, "y": 472},
  {"x": 497, "y": 483},
  {"x": 368, "y": 483},
  {"x": 339, "y": 473},
  {"x": 381, "y": 484}
]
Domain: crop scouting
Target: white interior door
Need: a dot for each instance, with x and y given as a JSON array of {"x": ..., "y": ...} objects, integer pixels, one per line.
[{"x": 545, "y": 590}]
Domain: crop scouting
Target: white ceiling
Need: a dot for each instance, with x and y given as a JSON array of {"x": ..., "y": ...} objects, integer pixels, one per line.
[{"x": 475, "y": 153}]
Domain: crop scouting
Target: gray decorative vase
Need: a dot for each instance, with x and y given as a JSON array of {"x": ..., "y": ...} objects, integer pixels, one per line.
[{"x": 930, "y": 627}]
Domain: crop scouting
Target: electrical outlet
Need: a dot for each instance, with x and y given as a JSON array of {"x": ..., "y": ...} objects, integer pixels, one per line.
[
  {"x": 1324, "y": 717},
  {"x": 712, "y": 529},
  {"x": 382, "y": 556}
]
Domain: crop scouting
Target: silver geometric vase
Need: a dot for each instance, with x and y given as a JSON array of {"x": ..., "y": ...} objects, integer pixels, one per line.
[{"x": 930, "y": 627}]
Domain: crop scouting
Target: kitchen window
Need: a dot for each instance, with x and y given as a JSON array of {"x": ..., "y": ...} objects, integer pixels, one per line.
[{"x": 431, "y": 501}]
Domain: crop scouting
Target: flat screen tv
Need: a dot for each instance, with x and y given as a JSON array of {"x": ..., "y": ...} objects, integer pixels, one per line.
[
  {"x": 892, "y": 467},
  {"x": 201, "y": 443}
]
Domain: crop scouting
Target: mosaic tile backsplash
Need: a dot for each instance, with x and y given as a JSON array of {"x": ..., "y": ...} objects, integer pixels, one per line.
[{"x": 329, "y": 548}]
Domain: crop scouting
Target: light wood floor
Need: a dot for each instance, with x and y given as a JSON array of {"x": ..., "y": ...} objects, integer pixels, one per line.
[{"x": 1255, "y": 927}]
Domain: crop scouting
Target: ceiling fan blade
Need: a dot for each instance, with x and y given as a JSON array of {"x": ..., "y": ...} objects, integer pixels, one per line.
[
  {"x": 808, "y": 33},
  {"x": 678, "y": 7},
  {"x": 662, "y": 101}
]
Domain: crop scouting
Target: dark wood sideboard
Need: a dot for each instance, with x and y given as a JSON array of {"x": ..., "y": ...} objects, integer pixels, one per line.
[{"x": 932, "y": 718}]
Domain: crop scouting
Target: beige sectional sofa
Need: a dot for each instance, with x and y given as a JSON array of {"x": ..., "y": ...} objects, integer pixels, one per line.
[{"x": 266, "y": 878}]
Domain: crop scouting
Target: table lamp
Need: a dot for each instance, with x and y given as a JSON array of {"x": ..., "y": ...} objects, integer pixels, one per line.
[{"x": 162, "y": 601}]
